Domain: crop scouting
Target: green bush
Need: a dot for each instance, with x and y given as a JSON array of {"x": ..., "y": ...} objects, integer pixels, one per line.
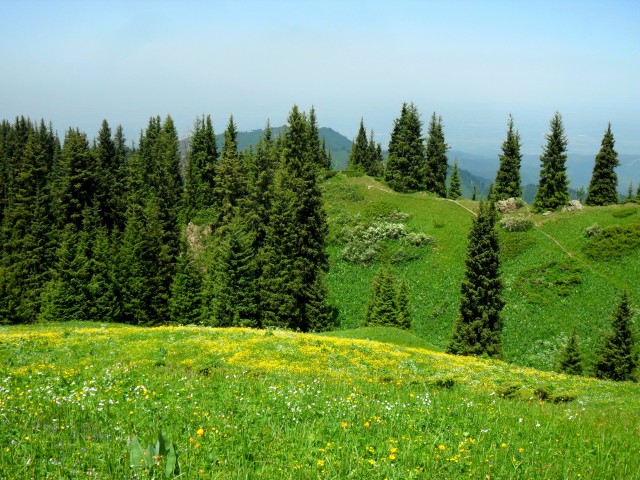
[
  {"x": 593, "y": 230},
  {"x": 516, "y": 224},
  {"x": 613, "y": 241},
  {"x": 624, "y": 212}
]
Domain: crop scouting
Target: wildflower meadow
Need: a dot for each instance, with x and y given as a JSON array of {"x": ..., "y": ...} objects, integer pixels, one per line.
[{"x": 89, "y": 400}]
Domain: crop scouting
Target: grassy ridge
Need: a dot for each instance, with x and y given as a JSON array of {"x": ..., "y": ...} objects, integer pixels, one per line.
[
  {"x": 551, "y": 283},
  {"x": 239, "y": 403}
]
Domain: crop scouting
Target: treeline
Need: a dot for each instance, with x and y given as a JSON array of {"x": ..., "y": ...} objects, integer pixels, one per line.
[
  {"x": 419, "y": 163},
  {"x": 96, "y": 230}
]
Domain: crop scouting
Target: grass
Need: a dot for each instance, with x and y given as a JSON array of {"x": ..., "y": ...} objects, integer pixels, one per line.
[
  {"x": 553, "y": 282},
  {"x": 238, "y": 403}
]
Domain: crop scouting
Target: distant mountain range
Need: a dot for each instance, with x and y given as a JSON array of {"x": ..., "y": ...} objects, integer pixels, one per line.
[{"x": 475, "y": 169}]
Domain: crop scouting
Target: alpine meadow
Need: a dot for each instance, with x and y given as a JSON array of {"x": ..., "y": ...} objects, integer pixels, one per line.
[{"x": 300, "y": 306}]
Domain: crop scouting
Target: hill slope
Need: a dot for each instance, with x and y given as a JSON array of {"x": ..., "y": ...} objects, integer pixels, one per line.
[
  {"x": 238, "y": 403},
  {"x": 551, "y": 283}
]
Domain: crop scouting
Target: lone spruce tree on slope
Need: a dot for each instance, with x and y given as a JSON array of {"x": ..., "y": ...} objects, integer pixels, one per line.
[
  {"x": 508, "y": 176},
  {"x": 553, "y": 190},
  {"x": 603, "y": 188},
  {"x": 478, "y": 328},
  {"x": 359, "y": 156},
  {"x": 616, "y": 357},
  {"x": 455, "y": 188},
  {"x": 436, "y": 158},
  {"x": 406, "y": 167}
]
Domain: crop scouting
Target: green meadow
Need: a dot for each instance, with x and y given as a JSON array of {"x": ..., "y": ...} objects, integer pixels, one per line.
[
  {"x": 103, "y": 400},
  {"x": 86, "y": 401}
]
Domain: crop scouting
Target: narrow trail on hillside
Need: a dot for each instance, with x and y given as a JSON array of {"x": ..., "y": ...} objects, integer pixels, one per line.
[
  {"x": 391, "y": 192},
  {"x": 559, "y": 244},
  {"x": 570, "y": 254}
]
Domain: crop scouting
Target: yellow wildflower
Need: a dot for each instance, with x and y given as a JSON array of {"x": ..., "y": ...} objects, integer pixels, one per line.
[{"x": 200, "y": 432}]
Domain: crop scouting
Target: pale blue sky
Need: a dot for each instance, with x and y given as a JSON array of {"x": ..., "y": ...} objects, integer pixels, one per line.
[{"x": 473, "y": 62}]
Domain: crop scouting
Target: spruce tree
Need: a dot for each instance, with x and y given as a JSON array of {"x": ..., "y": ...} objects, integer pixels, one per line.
[
  {"x": 359, "y": 156},
  {"x": 436, "y": 158},
  {"x": 202, "y": 160},
  {"x": 616, "y": 356},
  {"x": 185, "y": 304},
  {"x": 376, "y": 162},
  {"x": 603, "y": 188},
  {"x": 315, "y": 146},
  {"x": 104, "y": 153},
  {"x": 231, "y": 178},
  {"x": 455, "y": 187},
  {"x": 508, "y": 182},
  {"x": 570, "y": 359},
  {"x": 294, "y": 258},
  {"x": 231, "y": 285},
  {"x": 27, "y": 230},
  {"x": 406, "y": 166},
  {"x": 477, "y": 331},
  {"x": 553, "y": 188},
  {"x": 389, "y": 302},
  {"x": 80, "y": 178}
]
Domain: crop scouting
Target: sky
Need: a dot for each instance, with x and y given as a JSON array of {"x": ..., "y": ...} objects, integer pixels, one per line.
[{"x": 75, "y": 63}]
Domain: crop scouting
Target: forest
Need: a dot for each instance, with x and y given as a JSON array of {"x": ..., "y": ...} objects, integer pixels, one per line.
[{"x": 95, "y": 230}]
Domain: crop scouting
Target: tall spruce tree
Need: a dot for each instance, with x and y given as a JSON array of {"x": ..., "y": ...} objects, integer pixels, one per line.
[
  {"x": 26, "y": 229},
  {"x": 317, "y": 152},
  {"x": 406, "y": 168},
  {"x": 553, "y": 189},
  {"x": 231, "y": 178},
  {"x": 455, "y": 187},
  {"x": 508, "y": 182},
  {"x": 359, "y": 156},
  {"x": 292, "y": 283},
  {"x": 202, "y": 160},
  {"x": 603, "y": 188},
  {"x": 477, "y": 331},
  {"x": 436, "y": 158},
  {"x": 104, "y": 153},
  {"x": 616, "y": 356},
  {"x": 376, "y": 162},
  {"x": 80, "y": 178}
]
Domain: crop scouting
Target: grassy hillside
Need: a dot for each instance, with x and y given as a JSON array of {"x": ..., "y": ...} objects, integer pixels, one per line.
[
  {"x": 551, "y": 282},
  {"x": 76, "y": 399}
]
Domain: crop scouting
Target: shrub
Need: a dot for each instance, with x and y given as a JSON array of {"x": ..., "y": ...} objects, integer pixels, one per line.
[
  {"x": 613, "y": 241},
  {"x": 593, "y": 230},
  {"x": 624, "y": 212},
  {"x": 418, "y": 239},
  {"x": 516, "y": 224}
]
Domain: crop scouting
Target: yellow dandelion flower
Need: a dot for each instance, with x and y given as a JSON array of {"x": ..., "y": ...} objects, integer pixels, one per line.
[
  {"x": 503, "y": 445},
  {"x": 367, "y": 424},
  {"x": 345, "y": 424},
  {"x": 442, "y": 448},
  {"x": 200, "y": 432},
  {"x": 320, "y": 463},
  {"x": 392, "y": 457},
  {"x": 520, "y": 450},
  {"x": 393, "y": 450}
]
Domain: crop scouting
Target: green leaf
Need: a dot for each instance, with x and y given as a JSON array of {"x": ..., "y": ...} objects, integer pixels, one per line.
[
  {"x": 172, "y": 467},
  {"x": 148, "y": 456},
  {"x": 136, "y": 455}
]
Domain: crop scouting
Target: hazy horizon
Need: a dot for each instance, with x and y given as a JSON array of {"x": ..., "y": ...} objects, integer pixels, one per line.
[{"x": 75, "y": 63}]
